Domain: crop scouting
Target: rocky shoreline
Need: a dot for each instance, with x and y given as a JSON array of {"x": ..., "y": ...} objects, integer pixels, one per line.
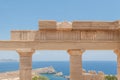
[{"x": 14, "y": 75}]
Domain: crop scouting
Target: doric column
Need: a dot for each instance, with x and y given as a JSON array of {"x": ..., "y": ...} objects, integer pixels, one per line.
[
  {"x": 75, "y": 64},
  {"x": 25, "y": 63},
  {"x": 117, "y": 52}
]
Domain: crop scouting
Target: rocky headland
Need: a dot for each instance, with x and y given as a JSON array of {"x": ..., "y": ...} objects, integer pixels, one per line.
[{"x": 14, "y": 75}]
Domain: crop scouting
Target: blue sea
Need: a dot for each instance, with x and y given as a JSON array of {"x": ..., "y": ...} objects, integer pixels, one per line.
[{"x": 108, "y": 67}]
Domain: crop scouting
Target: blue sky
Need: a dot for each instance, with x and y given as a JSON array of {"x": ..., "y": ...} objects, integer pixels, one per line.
[{"x": 25, "y": 14}]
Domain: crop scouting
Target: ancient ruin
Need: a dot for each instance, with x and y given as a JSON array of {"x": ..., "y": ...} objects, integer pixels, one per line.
[{"x": 76, "y": 37}]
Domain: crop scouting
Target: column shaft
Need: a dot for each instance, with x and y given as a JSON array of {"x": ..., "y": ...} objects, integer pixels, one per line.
[
  {"x": 118, "y": 67},
  {"x": 117, "y": 52},
  {"x": 75, "y": 64},
  {"x": 25, "y": 71}
]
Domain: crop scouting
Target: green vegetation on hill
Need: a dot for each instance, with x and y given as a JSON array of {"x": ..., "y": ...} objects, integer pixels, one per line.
[
  {"x": 40, "y": 78},
  {"x": 110, "y": 77}
]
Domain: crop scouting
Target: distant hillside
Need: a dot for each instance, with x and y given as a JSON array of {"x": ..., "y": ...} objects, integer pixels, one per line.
[{"x": 8, "y": 60}]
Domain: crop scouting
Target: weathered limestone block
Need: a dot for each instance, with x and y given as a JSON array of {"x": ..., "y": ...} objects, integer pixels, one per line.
[
  {"x": 64, "y": 26},
  {"x": 118, "y": 24},
  {"x": 90, "y": 25},
  {"x": 47, "y": 25},
  {"x": 101, "y": 75},
  {"x": 76, "y": 64},
  {"x": 25, "y": 63},
  {"x": 80, "y": 24},
  {"x": 92, "y": 75},
  {"x": 23, "y": 35}
]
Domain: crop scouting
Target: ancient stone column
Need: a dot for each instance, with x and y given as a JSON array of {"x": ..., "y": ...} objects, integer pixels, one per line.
[
  {"x": 117, "y": 52},
  {"x": 75, "y": 64},
  {"x": 25, "y": 63}
]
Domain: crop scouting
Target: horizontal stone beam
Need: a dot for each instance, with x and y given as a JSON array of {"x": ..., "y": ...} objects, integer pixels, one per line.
[
  {"x": 78, "y": 25},
  {"x": 47, "y": 25},
  {"x": 59, "y": 45},
  {"x": 89, "y": 25},
  {"x": 93, "y": 35}
]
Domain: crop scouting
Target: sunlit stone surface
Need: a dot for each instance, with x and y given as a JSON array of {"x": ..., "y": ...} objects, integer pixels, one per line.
[{"x": 75, "y": 37}]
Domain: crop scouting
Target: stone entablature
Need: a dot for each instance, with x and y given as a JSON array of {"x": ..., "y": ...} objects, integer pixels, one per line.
[
  {"x": 76, "y": 30},
  {"x": 89, "y": 25},
  {"x": 66, "y": 35},
  {"x": 78, "y": 25}
]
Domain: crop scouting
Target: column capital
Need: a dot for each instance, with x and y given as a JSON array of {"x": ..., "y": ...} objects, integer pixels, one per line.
[
  {"x": 117, "y": 52},
  {"x": 25, "y": 51},
  {"x": 76, "y": 51}
]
